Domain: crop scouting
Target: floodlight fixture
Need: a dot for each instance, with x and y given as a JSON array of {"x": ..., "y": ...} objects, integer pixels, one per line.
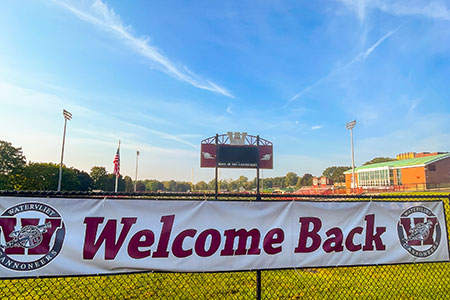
[
  {"x": 67, "y": 115},
  {"x": 350, "y": 125}
]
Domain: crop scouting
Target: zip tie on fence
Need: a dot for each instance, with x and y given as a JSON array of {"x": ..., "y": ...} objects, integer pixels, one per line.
[{"x": 295, "y": 269}]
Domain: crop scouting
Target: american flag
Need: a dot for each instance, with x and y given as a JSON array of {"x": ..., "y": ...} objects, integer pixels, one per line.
[{"x": 116, "y": 163}]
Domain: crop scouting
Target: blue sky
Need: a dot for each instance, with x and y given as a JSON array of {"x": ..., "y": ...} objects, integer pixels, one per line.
[{"x": 163, "y": 75}]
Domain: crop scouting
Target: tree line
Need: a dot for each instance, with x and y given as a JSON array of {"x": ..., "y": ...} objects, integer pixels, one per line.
[{"x": 17, "y": 174}]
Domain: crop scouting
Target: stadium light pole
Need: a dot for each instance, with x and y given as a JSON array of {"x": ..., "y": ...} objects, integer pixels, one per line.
[
  {"x": 350, "y": 126},
  {"x": 67, "y": 116}
]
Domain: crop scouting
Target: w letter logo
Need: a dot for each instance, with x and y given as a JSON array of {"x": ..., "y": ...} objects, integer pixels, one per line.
[
  {"x": 419, "y": 231},
  {"x": 31, "y": 236}
]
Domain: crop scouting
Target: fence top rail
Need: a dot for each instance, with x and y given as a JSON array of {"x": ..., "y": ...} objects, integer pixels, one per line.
[{"x": 210, "y": 196}]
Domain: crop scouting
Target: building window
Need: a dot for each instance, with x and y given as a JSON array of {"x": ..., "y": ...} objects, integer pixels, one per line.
[
  {"x": 399, "y": 177},
  {"x": 372, "y": 178}
]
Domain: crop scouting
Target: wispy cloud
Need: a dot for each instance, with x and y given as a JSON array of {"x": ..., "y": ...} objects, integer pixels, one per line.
[
  {"x": 360, "y": 57},
  {"x": 358, "y": 6},
  {"x": 229, "y": 110},
  {"x": 413, "y": 105},
  {"x": 435, "y": 9},
  {"x": 163, "y": 135},
  {"x": 316, "y": 127},
  {"x": 99, "y": 14},
  {"x": 50, "y": 105},
  {"x": 374, "y": 46}
]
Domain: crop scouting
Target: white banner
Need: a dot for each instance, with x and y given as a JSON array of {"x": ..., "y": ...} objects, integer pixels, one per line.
[{"x": 53, "y": 237}]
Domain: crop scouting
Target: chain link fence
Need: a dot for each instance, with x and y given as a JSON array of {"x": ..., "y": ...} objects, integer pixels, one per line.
[{"x": 406, "y": 281}]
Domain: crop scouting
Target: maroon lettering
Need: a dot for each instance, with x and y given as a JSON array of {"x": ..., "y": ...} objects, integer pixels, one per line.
[
  {"x": 242, "y": 235},
  {"x": 7, "y": 225},
  {"x": 143, "y": 238},
  {"x": 429, "y": 240},
  {"x": 200, "y": 243},
  {"x": 44, "y": 246},
  {"x": 177, "y": 246},
  {"x": 108, "y": 235},
  {"x": 305, "y": 233},
  {"x": 406, "y": 223},
  {"x": 274, "y": 236},
  {"x": 373, "y": 237},
  {"x": 334, "y": 244},
  {"x": 166, "y": 230},
  {"x": 349, "y": 244}
]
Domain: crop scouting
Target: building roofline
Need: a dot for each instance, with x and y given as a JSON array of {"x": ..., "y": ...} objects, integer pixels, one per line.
[{"x": 402, "y": 164}]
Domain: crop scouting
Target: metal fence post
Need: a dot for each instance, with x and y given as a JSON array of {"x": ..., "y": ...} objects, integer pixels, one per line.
[
  {"x": 258, "y": 272},
  {"x": 258, "y": 285}
]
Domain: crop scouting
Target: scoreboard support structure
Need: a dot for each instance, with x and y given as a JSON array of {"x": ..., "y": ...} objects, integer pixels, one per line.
[{"x": 236, "y": 150}]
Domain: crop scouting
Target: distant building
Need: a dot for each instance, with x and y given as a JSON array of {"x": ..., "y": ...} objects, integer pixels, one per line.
[
  {"x": 411, "y": 171},
  {"x": 322, "y": 182}
]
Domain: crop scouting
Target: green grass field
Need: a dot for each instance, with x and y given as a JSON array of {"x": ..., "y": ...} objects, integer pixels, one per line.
[
  {"x": 423, "y": 281},
  {"x": 412, "y": 281}
]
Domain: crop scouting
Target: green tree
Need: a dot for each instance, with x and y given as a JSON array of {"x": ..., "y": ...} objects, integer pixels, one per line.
[
  {"x": 153, "y": 185},
  {"x": 109, "y": 183},
  {"x": 106, "y": 182},
  {"x": 242, "y": 182},
  {"x": 41, "y": 176},
  {"x": 7, "y": 181},
  {"x": 212, "y": 185},
  {"x": 99, "y": 177},
  {"x": 298, "y": 185},
  {"x": 268, "y": 182},
  {"x": 86, "y": 182},
  {"x": 290, "y": 179},
  {"x": 278, "y": 182},
  {"x": 182, "y": 186},
  {"x": 252, "y": 184},
  {"x": 223, "y": 185},
  {"x": 233, "y": 186},
  {"x": 44, "y": 176},
  {"x": 335, "y": 173},
  {"x": 170, "y": 185},
  {"x": 201, "y": 186},
  {"x": 12, "y": 160},
  {"x": 378, "y": 160},
  {"x": 12, "y": 163},
  {"x": 306, "y": 180},
  {"x": 140, "y": 186},
  {"x": 129, "y": 186}
]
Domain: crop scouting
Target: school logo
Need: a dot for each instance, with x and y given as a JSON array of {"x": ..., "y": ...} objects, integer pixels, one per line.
[
  {"x": 31, "y": 236},
  {"x": 419, "y": 231}
]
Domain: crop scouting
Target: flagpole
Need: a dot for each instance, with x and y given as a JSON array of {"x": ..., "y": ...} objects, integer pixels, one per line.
[{"x": 117, "y": 175}]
